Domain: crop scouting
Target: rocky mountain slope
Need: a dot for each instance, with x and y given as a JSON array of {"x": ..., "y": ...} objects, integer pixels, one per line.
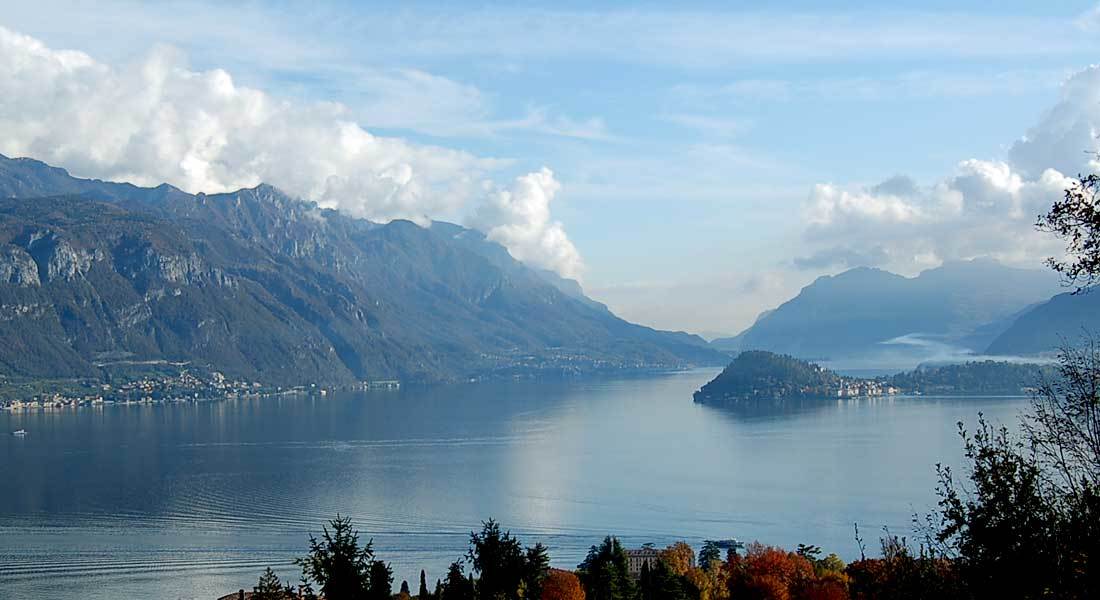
[{"x": 264, "y": 286}]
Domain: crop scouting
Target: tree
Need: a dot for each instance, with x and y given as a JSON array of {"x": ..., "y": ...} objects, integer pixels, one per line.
[
  {"x": 422, "y": 593},
  {"x": 659, "y": 582},
  {"x": 336, "y": 562},
  {"x": 1010, "y": 520},
  {"x": 269, "y": 587},
  {"x": 1065, "y": 422},
  {"x": 605, "y": 573},
  {"x": 381, "y": 581},
  {"x": 536, "y": 567},
  {"x": 709, "y": 554},
  {"x": 679, "y": 557},
  {"x": 901, "y": 573},
  {"x": 1026, "y": 523},
  {"x": 1076, "y": 219},
  {"x": 768, "y": 573},
  {"x": 561, "y": 585},
  {"x": 506, "y": 571},
  {"x": 498, "y": 558},
  {"x": 457, "y": 586},
  {"x": 405, "y": 588}
]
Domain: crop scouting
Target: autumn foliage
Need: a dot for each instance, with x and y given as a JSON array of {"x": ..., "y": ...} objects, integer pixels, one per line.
[
  {"x": 562, "y": 585},
  {"x": 770, "y": 573}
]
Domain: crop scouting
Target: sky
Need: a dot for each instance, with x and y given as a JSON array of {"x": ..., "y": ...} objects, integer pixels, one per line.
[{"x": 690, "y": 167}]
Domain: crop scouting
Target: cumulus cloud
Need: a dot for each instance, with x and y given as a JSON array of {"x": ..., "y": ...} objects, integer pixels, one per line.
[
  {"x": 157, "y": 120},
  {"x": 986, "y": 208},
  {"x": 1067, "y": 138},
  {"x": 518, "y": 217}
]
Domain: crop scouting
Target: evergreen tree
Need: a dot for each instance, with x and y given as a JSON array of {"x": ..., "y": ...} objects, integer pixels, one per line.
[
  {"x": 499, "y": 561},
  {"x": 709, "y": 555},
  {"x": 381, "y": 581},
  {"x": 336, "y": 563},
  {"x": 535, "y": 571},
  {"x": 645, "y": 582},
  {"x": 457, "y": 586},
  {"x": 404, "y": 587},
  {"x": 605, "y": 573},
  {"x": 269, "y": 587},
  {"x": 422, "y": 594},
  {"x": 658, "y": 582}
]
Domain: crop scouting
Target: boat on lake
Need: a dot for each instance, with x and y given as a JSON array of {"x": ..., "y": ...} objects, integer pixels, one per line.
[{"x": 19, "y": 432}]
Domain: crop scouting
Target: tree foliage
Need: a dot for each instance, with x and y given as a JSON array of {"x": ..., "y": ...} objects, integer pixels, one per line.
[
  {"x": 337, "y": 563},
  {"x": 679, "y": 558},
  {"x": 709, "y": 554},
  {"x": 457, "y": 586},
  {"x": 381, "y": 581},
  {"x": 561, "y": 585},
  {"x": 661, "y": 582},
  {"x": 270, "y": 588},
  {"x": 605, "y": 573},
  {"x": 506, "y": 571},
  {"x": 422, "y": 593},
  {"x": 1076, "y": 219}
]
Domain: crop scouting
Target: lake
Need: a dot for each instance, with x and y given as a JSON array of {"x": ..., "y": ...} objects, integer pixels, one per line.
[{"x": 194, "y": 500}]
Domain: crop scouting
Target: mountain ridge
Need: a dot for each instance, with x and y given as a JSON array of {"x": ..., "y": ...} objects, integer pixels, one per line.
[
  {"x": 853, "y": 313},
  {"x": 1067, "y": 318},
  {"x": 266, "y": 286}
]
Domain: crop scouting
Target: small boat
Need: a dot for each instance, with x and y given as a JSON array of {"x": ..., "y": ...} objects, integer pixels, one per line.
[{"x": 19, "y": 432}]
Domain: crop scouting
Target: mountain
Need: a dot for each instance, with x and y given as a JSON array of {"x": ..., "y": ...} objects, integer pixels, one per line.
[
  {"x": 1065, "y": 318},
  {"x": 855, "y": 312},
  {"x": 267, "y": 287}
]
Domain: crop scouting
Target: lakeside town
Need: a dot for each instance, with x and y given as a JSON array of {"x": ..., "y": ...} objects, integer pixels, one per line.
[{"x": 184, "y": 386}]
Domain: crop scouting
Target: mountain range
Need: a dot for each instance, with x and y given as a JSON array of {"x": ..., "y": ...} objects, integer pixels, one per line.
[
  {"x": 264, "y": 286},
  {"x": 1065, "y": 319},
  {"x": 865, "y": 311}
]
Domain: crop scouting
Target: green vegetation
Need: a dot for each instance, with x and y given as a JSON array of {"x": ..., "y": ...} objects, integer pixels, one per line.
[
  {"x": 760, "y": 375},
  {"x": 757, "y": 375},
  {"x": 974, "y": 378}
]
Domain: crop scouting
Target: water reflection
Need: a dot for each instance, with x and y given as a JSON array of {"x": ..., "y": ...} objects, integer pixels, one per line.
[{"x": 192, "y": 500}]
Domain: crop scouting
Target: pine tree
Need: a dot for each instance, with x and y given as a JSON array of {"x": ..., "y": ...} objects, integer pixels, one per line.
[
  {"x": 423, "y": 593},
  {"x": 269, "y": 587},
  {"x": 336, "y": 563},
  {"x": 381, "y": 581},
  {"x": 457, "y": 587}
]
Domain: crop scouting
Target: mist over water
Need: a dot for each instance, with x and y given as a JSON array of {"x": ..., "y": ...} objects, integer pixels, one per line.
[{"x": 194, "y": 500}]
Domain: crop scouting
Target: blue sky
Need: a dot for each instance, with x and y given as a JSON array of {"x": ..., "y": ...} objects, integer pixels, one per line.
[{"x": 686, "y": 145}]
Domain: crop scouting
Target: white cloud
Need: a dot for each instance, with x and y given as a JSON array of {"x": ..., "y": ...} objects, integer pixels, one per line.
[
  {"x": 986, "y": 208},
  {"x": 519, "y": 219},
  {"x": 157, "y": 121},
  {"x": 1067, "y": 138}
]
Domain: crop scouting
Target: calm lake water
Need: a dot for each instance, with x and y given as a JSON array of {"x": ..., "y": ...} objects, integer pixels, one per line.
[{"x": 194, "y": 500}]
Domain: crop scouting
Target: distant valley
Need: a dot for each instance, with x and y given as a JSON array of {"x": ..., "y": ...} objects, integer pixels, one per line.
[{"x": 953, "y": 312}]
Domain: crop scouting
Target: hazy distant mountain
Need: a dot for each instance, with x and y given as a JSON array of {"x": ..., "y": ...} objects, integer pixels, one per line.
[
  {"x": 265, "y": 286},
  {"x": 1063, "y": 319},
  {"x": 856, "y": 312}
]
